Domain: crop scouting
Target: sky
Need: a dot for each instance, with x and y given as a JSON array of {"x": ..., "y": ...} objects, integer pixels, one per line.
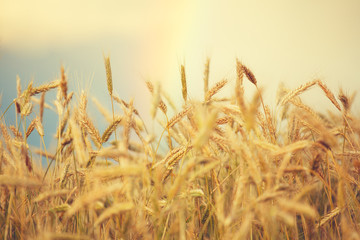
[{"x": 280, "y": 41}]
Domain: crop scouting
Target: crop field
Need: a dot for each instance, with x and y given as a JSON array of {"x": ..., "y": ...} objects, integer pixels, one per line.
[{"x": 220, "y": 168}]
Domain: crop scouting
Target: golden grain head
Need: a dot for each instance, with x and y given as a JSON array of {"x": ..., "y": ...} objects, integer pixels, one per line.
[
  {"x": 109, "y": 80},
  {"x": 26, "y": 109},
  {"x": 44, "y": 88},
  {"x": 215, "y": 89},
  {"x": 297, "y": 91},
  {"x": 42, "y": 106},
  {"x": 249, "y": 75},
  {"x": 183, "y": 83},
  {"x": 206, "y": 76},
  {"x": 329, "y": 94},
  {"x": 18, "y": 86},
  {"x": 63, "y": 83},
  {"x": 344, "y": 100},
  {"x": 30, "y": 128},
  {"x": 239, "y": 72},
  {"x": 110, "y": 129}
]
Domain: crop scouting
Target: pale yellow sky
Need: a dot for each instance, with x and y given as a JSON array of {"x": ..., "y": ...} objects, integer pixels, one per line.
[{"x": 280, "y": 40}]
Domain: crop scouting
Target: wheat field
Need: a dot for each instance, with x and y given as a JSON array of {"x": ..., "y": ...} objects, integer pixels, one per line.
[{"x": 221, "y": 168}]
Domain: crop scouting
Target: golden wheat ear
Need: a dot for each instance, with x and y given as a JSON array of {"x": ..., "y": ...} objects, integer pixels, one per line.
[
  {"x": 218, "y": 86},
  {"x": 206, "y": 76},
  {"x": 109, "y": 80},
  {"x": 183, "y": 83},
  {"x": 297, "y": 91},
  {"x": 239, "y": 88},
  {"x": 249, "y": 75},
  {"x": 63, "y": 83},
  {"x": 328, "y": 94}
]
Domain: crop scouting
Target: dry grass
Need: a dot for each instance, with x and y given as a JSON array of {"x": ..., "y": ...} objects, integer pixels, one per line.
[{"x": 229, "y": 170}]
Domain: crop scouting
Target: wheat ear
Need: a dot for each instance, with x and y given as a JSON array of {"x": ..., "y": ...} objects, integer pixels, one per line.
[
  {"x": 183, "y": 83},
  {"x": 206, "y": 76}
]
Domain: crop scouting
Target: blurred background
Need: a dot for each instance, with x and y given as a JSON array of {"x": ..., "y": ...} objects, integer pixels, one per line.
[{"x": 280, "y": 41}]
